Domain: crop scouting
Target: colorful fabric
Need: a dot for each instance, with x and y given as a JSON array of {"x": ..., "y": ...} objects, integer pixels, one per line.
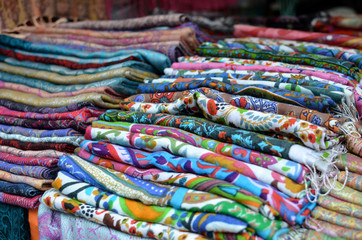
[
  {"x": 311, "y": 135},
  {"x": 83, "y": 114},
  {"x": 335, "y": 64},
  {"x": 207, "y": 161},
  {"x": 54, "y": 224},
  {"x": 30, "y": 132},
  {"x": 222, "y": 133},
  {"x": 24, "y": 202},
  {"x": 290, "y": 169},
  {"x": 31, "y": 171},
  {"x": 54, "y": 200},
  {"x": 330, "y": 39},
  {"x": 347, "y": 194},
  {"x": 40, "y": 184},
  {"x": 22, "y": 145},
  {"x": 332, "y": 229},
  {"x": 30, "y": 161},
  {"x": 197, "y": 182},
  {"x": 250, "y": 103},
  {"x": 44, "y": 124},
  {"x": 197, "y": 222},
  {"x": 322, "y": 104},
  {"x": 20, "y": 153},
  {"x": 353, "y": 180},
  {"x": 128, "y": 187},
  {"x": 19, "y": 189},
  {"x": 351, "y": 161},
  {"x": 14, "y": 222},
  {"x": 320, "y": 213},
  {"x": 340, "y": 206}
]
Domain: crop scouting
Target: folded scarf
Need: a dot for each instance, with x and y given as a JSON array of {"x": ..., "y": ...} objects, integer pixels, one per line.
[
  {"x": 121, "y": 85},
  {"x": 19, "y": 189},
  {"x": 197, "y": 182},
  {"x": 23, "y": 145},
  {"x": 290, "y": 169},
  {"x": 347, "y": 194},
  {"x": 14, "y": 222},
  {"x": 40, "y": 184},
  {"x": 322, "y": 104},
  {"x": 31, "y": 171},
  {"x": 332, "y": 229},
  {"x": 129, "y": 187},
  {"x": 335, "y": 64},
  {"x": 56, "y": 201},
  {"x": 44, "y": 124},
  {"x": 353, "y": 180},
  {"x": 30, "y": 161},
  {"x": 340, "y": 206},
  {"x": 330, "y": 39},
  {"x": 98, "y": 99},
  {"x": 157, "y": 60},
  {"x": 351, "y": 161},
  {"x": 54, "y": 224},
  {"x": 21, "y": 153},
  {"x": 197, "y": 158},
  {"x": 24, "y": 202},
  {"x": 169, "y": 20},
  {"x": 15, "y": 106},
  {"x": 249, "y": 103},
  {"x": 75, "y": 140},
  {"x": 30, "y": 132},
  {"x": 197, "y": 222},
  {"x": 311, "y": 135},
  {"x": 323, "y": 214},
  {"x": 83, "y": 114}
]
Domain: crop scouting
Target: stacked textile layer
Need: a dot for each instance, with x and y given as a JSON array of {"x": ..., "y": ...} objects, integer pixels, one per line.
[
  {"x": 172, "y": 35},
  {"x": 48, "y": 97}
]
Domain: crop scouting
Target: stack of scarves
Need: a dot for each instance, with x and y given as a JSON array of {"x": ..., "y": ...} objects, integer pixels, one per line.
[
  {"x": 347, "y": 25},
  {"x": 172, "y": 35},
  {"x": 49, "y": 95}
]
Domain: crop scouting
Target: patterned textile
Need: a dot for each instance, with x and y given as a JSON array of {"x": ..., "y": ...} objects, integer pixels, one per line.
[
  {"x": 290, "y": 169},
  {"x": 337, "y": 218},
  {"x": 353, "y": 180},
  {"x": 14, "y": 222},
  {"x": 157, "y": 60},
  {"x": 75, "y": 140},
  {"x": 194, "y": 181},
  {"x": 30, "y": 132},
  {"x": 83, "y": 114},
  {"x": 41, "y": 184},
  {"x": 61, "y": 147},
  {"x": 311, "y": 135},
  {"x": 340, "y": 206},
  {"x": 15, "y": 106},
  {"x": 250, "y": 103},
  {"x": 169, "y": 20},
  {"x": 197, "y": 222},
  {"x": 222, "y": 133},
  {"x": 19, "y": 189},
  {"x": 351, "y": 161},
  {"x": 322, "y": 104},
  {"x": 31, "y": 161},
  {"x": 24, "y": 202},
  {"x": 207, "y": 161},
  {"x": 54, "y": 200},
  {"x": 31, "y": 171},
  {"x": 347, "y": 194},
  {"x": 330, "y": 39},
  {"x": 44, "y": 124},
  {"x": 334, "y": 64},
  {"x": 332, "y": 229},
  {"x": 177, "y": 197},
  {"x": 55, "y": 224},
  {"x": 20, "y": 153}
]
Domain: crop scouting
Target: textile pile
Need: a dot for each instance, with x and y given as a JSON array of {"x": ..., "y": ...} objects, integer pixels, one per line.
[{"x": 252, "y": 137}]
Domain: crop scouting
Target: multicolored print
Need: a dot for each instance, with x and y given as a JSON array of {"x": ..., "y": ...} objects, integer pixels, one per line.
[
  {"x": 311, "y": 135},
  {"x": 164, "y": 195},
  {"x": 337, "y": 218},
  {"x": 56, "y": 201},
  {"x": 210, "y": 162}
]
